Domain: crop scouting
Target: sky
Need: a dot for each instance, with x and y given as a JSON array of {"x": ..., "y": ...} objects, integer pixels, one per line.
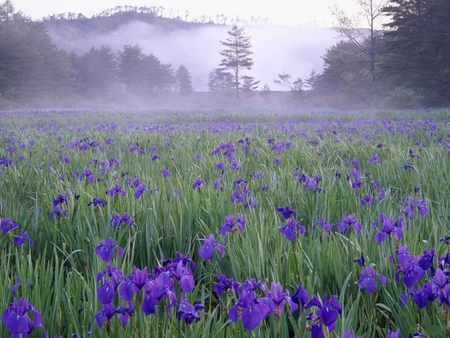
[{"x": 279, "y": 12}]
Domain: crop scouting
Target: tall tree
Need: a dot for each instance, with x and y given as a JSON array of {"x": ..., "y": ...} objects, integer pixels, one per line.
[
  {"x": 418, "y": 48},
  {"x": 131, "y": 67},
  {"x": 236, "y": 55},
  {"x": 296, "y": 86},
  {"x": 96, "y": 70},
  {"x": 184, "y": 80},
  {"x": 350, "y": 27}
]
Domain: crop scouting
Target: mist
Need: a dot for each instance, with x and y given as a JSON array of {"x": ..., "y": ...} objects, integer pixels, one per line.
[{"x": 276, "y": 49}]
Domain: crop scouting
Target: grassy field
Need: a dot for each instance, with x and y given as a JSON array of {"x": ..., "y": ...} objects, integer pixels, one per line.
[{"x": 225, "y": 223}]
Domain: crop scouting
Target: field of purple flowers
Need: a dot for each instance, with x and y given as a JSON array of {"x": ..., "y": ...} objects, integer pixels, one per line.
[{"x": 224, "y": 224}]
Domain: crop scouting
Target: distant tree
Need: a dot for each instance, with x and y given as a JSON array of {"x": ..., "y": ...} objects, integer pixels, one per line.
[
  {"x": 166, "y": 80},
  {"x": 184, "y": 80},
  {"x": 32, "y": 67},
  {"x": 345, "y": 77},
  {"x": 151, "y": 73},
  {"x": 296, "y": 86},
  {"x": 7, "y": 11},
  {"x": 131, "y": 67},
  {"x": 350, "y": 27},
  {"x": 220, "y": 81},
  {"x": 417, "y": 49},
  {"x": 249, "y": 85},
  {"x": 236, "y": 56},
  {"x": 265, "y": 91},
  {"x": 96, "y": 70}
]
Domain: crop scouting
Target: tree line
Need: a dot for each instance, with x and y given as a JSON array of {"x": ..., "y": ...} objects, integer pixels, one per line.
[
  {"x": 33, "y": 69},
  {"x": 403, "y": 64}
]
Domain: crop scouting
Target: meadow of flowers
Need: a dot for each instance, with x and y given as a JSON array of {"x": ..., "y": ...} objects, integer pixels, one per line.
[{"x": 224, "y": 224}]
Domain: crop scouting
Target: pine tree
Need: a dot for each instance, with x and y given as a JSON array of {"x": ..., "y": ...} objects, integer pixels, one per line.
[
  {"x": 236, "y": 55},
  {"x": 184, "y": 80}
]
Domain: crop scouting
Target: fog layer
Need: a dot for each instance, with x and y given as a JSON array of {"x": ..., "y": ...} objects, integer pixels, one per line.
[{"x": 276, "y": 49}]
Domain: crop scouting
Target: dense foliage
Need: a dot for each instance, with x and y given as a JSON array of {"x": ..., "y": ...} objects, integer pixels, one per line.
[
  {"x": 411, "y": 55},
  {"x": 404, "y": 65}
]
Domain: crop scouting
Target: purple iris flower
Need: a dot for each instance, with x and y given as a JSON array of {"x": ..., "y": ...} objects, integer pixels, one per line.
[
  {"x": 60, "y": 200},
  {"x": 108, "y": 311},
  {"x": 57, "y": 212},
  {"x": 140, "y": 189},
  {"x": 408, "y": 166},
  {"x": 421, "y": 205},
  {"x": 388, "y": 228},
  {"x": 185, "y": 277},
  {"x": 5, "y": 161},
  {"x": 323, "y": 223},
  {"x": 97, "y": 201},
  {"x": 427, "y": 293},
  {"x": 366, "y": 200},
  {"x": 230, "y": 222},
  {"x": 106, "y": 249},
  {"x": 276, "y": 299},
  {"x": 17, "y": 321},
  {"x": 106, "y": 292},
  {"x": 105, "y": 314},
  {"x": 115, "y": 275},
  {"x": 350, "y": 334},
  {"x": 287, "y": 212},
  {"x": 409, "y": 206},
  {"x": 198, "y": 183},
  {"x": 189, "y": 312},
  {"x": 118, "y": 219},
  {"x": 327, "y": 312},
  {"x": 367, "y": 280},
  {"x": 227, "y": 284},
  {"x": 158, "y": 289},
  {"x": 207, "y": 250},
  {"x": 237, "y": 196},
  {"x": 164, "y": 172},
  {"x": 391, "y": 334},
  {"x": 7, "y": 225},
  {"x": 89, "y": 175},
  {"x": 408, "y": 267},
  {"x": 291, "y": 228},
  {"x": 349, "y": 220},
  {"x": 249, "y": 309},
  {"x": 21, "y": 238},
  {"x": 425, "y": 261},
  {"x": 300, "y": 297},
  {"x": 382, "y": 193},
  {"x": 134, "y": 283},
  {"x": 116, "y": 190},
  {"x": 374, "y": 159}
]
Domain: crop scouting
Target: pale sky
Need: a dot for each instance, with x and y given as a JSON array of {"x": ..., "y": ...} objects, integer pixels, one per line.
[{"x": 281, "y": 12}]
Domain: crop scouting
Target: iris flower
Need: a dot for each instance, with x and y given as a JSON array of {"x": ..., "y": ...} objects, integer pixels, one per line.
[
  {"x": 327, "y": 312},
  {"x": 207, "y": 250},
  {"x": 189, "y": 312},
  {"x": 7, "y": 225},
  {"x": 291, "y": 228},
  {"x": 388, "y": 228},
  {"x": 286, "y": 212},
  {"x": 349, "y": 220},
  {"x": 164, "y": 172},
  {"x": 116, "y": 190},
  {"x": 17, "y": 320},
  {"x": 106, "y": 249},
  {"x": 198, "y": 183},
  {"x": 21, "y": 238},
  {"x": 367, "y": 280}
]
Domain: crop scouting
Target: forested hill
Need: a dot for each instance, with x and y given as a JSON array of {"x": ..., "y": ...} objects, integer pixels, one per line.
[{"x": 66, "y": 30}]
